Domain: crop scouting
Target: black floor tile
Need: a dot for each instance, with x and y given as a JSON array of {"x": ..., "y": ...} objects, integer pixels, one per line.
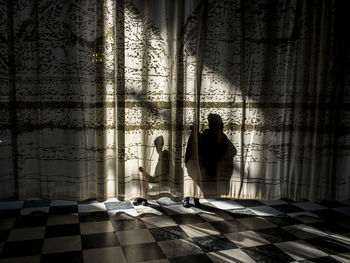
[
  {"x": 320, "y": 260},
  {"x": 31, "y": 220},
  {"x": 288, "y": 200},
  {"x": 118, "y": 205},
  {"x": 9, "y": 213},
  {"x": 4, "y": 234},
  {"x": 282, "y": 220},
  {"x": 67, "y": 257},
  {"x": 223, "y": 199},
  {"x": 213, "y": 243},
  {"x": 275, "y": 235},
  {"x": 122, "y": 216},
  {"x": 7, "y": 199},
  {"x": 330, "y": 227},
  {"x": 99, "y": 240},
  {"x": 240, "y": 213},
  {"x": 202, "y": 258},
  {"x": 88, "y": 201},
  {"x": 331, "y": 204},
  {"x": 187, "y": 219},
  {"x": 62, "y": 230},
  {"x": 128, "y": 224},
  {"x": 22, "y": 248},
  {"x": 167, "y": 233},
  {"x": 287, "y": 208},
  {"x": 143, "y": 252},
  {"x": 206, "y": 207},
  {"x": 93, "y": 217},
  {"x": 67, "y": 209},
  {"x": 328, "y": 245},
  {"x": 267, "y": 253},
  {"x": 36, "y": 203},
  {"x": 229, "y": 226},
  {"x": 330, "y": 214},
  {"x": 248, "y": 203}
]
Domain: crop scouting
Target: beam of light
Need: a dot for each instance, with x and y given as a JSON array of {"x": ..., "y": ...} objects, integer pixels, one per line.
[{"x": 230, "y": 93}]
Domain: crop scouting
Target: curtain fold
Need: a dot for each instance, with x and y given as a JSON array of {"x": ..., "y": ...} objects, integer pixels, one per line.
[{"x": 202, "y": 98}]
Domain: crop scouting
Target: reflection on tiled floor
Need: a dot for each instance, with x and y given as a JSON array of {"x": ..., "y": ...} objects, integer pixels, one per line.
[{"x": 221, "y": 230}]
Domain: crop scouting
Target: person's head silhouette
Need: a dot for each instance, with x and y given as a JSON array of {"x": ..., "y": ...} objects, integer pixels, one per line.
[{"x": 215, "y": 122}]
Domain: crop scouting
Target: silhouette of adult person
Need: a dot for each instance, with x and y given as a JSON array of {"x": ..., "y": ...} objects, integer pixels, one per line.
[
  {"x": 215, "y": 159},
  {"x": 161, "y": 173}
]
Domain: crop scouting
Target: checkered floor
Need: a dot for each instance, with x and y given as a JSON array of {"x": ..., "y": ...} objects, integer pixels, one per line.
[{"x": 221, "y": 230}]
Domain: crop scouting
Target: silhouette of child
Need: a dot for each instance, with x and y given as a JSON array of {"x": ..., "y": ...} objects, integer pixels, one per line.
[{"x": 161, "y": 173}]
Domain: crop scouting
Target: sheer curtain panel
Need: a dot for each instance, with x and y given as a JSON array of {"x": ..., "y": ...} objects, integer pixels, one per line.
[{"x": 203, "y": 98}]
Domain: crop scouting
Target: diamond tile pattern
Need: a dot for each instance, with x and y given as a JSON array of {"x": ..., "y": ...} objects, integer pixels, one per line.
[{"x": 220, "y": 230}]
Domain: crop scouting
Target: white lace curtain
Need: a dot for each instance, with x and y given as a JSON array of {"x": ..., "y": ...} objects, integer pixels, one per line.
[{"x": 99, "y": 98}]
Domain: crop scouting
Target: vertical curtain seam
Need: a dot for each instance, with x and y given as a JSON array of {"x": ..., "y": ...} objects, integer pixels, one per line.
[{"x": 13, "y": 95}]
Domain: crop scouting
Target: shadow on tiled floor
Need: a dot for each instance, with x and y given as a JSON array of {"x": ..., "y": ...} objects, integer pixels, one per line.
[{"x": 220, "y": 230}]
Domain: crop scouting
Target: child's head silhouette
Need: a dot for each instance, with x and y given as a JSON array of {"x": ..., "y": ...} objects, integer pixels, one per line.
[{"x": 159, "y": 143}]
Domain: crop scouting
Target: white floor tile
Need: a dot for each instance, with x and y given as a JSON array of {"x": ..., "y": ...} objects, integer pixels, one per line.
[
  {"x": 61, "y": 244},
  {"x": 142, "y": 210},
  {"x": 132, "y": 237},
  {"x": 96, "y": 227},
  {"x": 230, "y": 256},
  {"x": 304, "y": 231},
  {"x": 265, "y": 211},
  {"x": 343, "y": 258},
  {"x": 105, "y": 255},
  {"x": 300, "y": 250},
  {"x": 158, "y": 221},
  {"x": 199, "y": 229},
  {"x": 93, "y": 207},
  {"x": 345, "y": 238},
  {"x": 127, "y": 212},
  {"x": 227, "y": 204},
  {"x": 305, "y": 217},
  {"x": 179, "y": 248},
  {"x": 246, "y": 239},
  {"x": 112, "y": 199},
  {"x": 215, "y": 216},
  {"x": 156, "y": 261}
]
